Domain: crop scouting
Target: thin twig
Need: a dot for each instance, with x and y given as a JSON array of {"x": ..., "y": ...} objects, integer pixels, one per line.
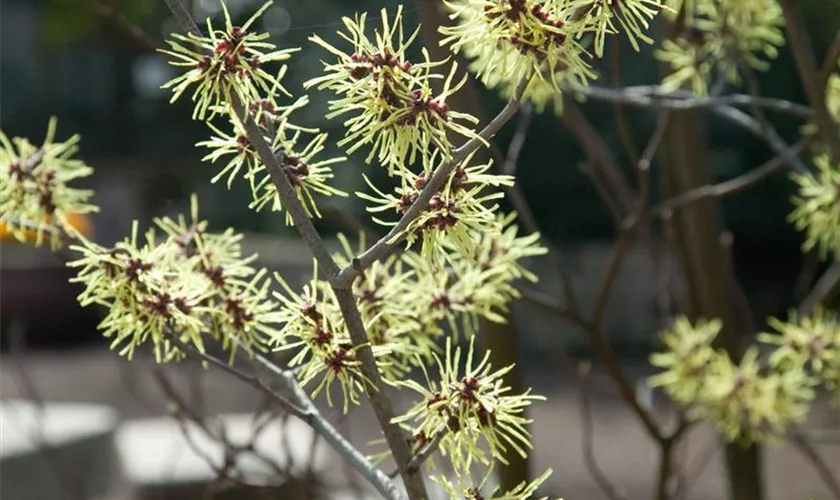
[
  {"x": 73, "y": 488},
  {"x": 552, "y": 305},
  {"x": 137, "y": 33},
  {"x": 424, "y": 453},
  {"x": 588, "y": 438},
  {"x": 731, "y": 186},
  {"x": 251, "y": 380},
  {"x": 331, "y": 435},
  {"x": 695, "y": 469},
  {"x": 183, "y": 413},
  {"x": 825, "y": 289},
  {"x": 600, "y": 185},
  {"x": 600, "y": 158},
  {"x": 346, "y": 222},
  {"x": 819, "y": 464},
  {"x": 747, "y": 122},
  {"x": 832, "y": 58},
  {"x": 650, "y": 151},
  {"x": 805, "y": 276},
  {"x": 515, "y": 147},
  {"x": 655, "y": 97},
  {"x": 809, "y": 75},
  {"x": 618, "y": 108}
]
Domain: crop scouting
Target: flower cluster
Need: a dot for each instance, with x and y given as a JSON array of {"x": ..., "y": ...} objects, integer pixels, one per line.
[
  {"x": 176, "y": 289},
  {"x": 225, "y": 62},
  {"x": 810, "y": 341},
  {"x": 406, "y": 305},
  {"x": 817, "y": 206},
  {"x": 508, "y": 40},
  {"x": 227, "y": 69},
  {"x": 34, "y": 187},
  {"x": 392, "y": 100},
  {"x": 455, "y": 214},
  {"x": 297, "y": 150},
  {"x": 511, "y": 40},
  {"x": 314, "y": 329},
  {"x": 750, "y": 400},
  {"x": 470, "y": 489},
  {"x": 469, "y": 411},
  {"x": 720, "y": 38}
]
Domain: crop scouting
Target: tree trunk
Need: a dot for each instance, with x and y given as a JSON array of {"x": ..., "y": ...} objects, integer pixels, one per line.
[{"x": 698, "y": 226}]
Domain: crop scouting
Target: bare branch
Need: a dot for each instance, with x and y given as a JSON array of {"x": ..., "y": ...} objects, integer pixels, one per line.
[
  {"x": 731, "y": 186},
  {"x": 618, "y": 108},
  {"x": 515, "y": 147},
  {"x": 183, "y": 413},
  {"x": 599, "y": 156},
  {"x": 134, "y": 31},
  {"x": 819, "y": 464},
  {"x": 745, "y": 121},
  {"x": 653, "y": 96},
  {"x": 17, "y": 347},
  {"x": 587, "y": 437},
  {"x": 643, "y": 166},
  {"x": 809, "y": 75},
  {"x": 826, "y": 289},
  {"x": 251, "y": 380},
  {"x": 832, "y": 58},
  {"x": 331, "y": 435}
]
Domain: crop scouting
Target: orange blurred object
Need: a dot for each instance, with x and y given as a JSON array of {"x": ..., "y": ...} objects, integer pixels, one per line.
[{"x": 79, "y": 222}]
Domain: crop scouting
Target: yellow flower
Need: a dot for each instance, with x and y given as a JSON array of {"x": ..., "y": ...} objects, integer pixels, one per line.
[
  {"x": 35, "y": 191},
  {"x": 393, "y": 106},
  {"x": 225, "y": 62},
  {"x": 817, "y": 207}
]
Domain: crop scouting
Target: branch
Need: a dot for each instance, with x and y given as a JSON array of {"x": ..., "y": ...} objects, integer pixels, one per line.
[
  {"x": 251, "y": 380},
  {"x": 134, "y": 31},
  {"x": 520, "y": 204},
  {"x": 832, "y": 57},
  {"x": 731, "y": 186},
  {"x": 56, "y": 461},
  {"x": 818, "y": 463},
  {"x": 331, "y": 435},
  {"x": 618, "y": 109},
  {"x": 745, "y": 121},
  {"x": 653, "y": 96},
  {"x": 826, "y": 289},
  {"x": 345, "y": 278},
  {"x": 552, "y": 305},
  {"x": 302, "y": 407},
  {"x": 809, "y": 75},
  {"x": 182, "y": 412},
  {"x": 379, "y": 398},
  {"x": 425, "y": 452},
  {"x": 599, "y": 155},
  {"x": 515, "y": 147},
  {"x": 587, "y": 436}
]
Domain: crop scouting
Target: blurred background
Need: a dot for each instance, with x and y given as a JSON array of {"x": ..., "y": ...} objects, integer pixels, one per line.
[{"x": 80, "y": 60}]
